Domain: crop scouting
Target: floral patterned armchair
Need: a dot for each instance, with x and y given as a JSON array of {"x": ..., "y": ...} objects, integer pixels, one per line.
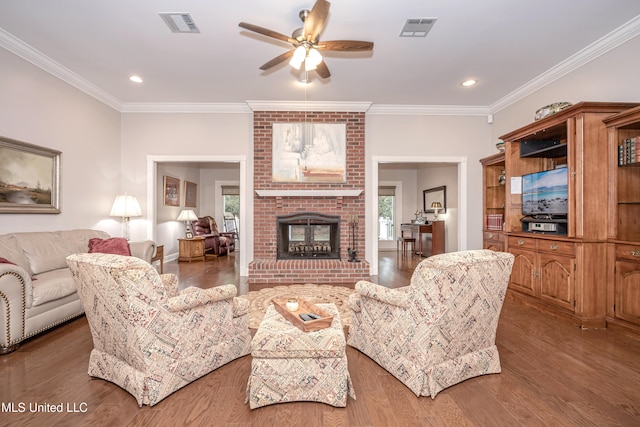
[
  {"x": 148, "y": 338},
  {"x": 216, "y": 242},
  {"x": 441, "y": 329}
]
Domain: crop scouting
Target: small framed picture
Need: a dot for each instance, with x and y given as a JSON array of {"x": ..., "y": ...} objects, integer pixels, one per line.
[
  {"x": 190, "y": 194},
  {"x": 189, "y": 235},
  {"x": 171, "y": 191}
]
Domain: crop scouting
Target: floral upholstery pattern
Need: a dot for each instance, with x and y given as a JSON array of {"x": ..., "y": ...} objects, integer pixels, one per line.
[
  {"x": 291, "y": 365},
  {"x": 441, "y": 329},
  {"x": 148, "y": 338}
]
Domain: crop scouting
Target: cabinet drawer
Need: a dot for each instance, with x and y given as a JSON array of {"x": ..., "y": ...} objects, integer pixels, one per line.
[
  {"x": 628, "y": 252},
  {"x": 522, "y": 242},
  {"x": 493, "y": 236},
  {"x": 553, "y": 246}
]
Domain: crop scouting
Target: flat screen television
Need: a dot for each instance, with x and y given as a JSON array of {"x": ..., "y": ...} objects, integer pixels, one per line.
[{"x": 546, "y": 193}]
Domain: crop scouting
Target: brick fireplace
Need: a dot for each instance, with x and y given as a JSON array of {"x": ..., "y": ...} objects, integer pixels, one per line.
[{"x": 344, "y": 201}]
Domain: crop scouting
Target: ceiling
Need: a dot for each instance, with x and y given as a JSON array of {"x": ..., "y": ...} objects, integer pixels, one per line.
[{"x": 504, "y": 44}]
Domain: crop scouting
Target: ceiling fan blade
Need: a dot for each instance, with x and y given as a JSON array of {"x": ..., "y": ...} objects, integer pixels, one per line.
[
  {"x": 278, "y": 59},
  {"x": 266, "y": 32},
  {"x": 322, "y": 70},
  {"x": 345, "y": 45},
  {"x": 314, "y": 23}
]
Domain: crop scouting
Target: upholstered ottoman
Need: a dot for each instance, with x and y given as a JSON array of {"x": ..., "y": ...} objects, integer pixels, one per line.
[{"x": 291, "y": 365}]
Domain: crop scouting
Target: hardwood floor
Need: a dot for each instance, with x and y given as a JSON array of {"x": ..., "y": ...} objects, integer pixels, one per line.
[{"x": 553, "y": 374}]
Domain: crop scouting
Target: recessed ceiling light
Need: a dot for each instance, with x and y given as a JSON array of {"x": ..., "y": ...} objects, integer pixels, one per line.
[
  {"x": 469, "y": 82},
  {"x": 135, "y": 79}
]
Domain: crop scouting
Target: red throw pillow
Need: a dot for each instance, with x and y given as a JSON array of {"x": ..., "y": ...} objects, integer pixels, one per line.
[
  {"x": 114, "y": 245},
  {"x": 6, "y": 261}
]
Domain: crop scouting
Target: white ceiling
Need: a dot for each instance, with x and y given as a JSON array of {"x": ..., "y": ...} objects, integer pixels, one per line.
[{"x": 505, "y": 44}]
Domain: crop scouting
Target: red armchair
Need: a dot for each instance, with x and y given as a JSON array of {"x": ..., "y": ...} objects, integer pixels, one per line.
[{"x": 215, "y": 242}]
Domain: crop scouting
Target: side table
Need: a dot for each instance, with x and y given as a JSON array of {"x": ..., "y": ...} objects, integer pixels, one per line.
[
  {"x": 159, "y": 256},
  {"x": 191, "y": 249}
]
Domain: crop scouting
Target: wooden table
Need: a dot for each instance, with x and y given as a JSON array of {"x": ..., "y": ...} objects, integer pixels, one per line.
[
  {"x": 435, "y": 228},
  {"x": 191, "y": 249}
]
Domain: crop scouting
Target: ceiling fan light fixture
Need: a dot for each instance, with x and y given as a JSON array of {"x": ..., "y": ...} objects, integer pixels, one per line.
[
  {"x": 298, "y": 57},
  {"x": 310, "y": 65},
  {"x": 314, "y": 56}
]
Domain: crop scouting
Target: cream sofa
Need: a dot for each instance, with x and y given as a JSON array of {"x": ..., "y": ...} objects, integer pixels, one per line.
[{"x": 38, "y": 292}]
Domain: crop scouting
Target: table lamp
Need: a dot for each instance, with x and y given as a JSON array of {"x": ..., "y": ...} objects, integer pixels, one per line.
[
  {"x": 187, "y": 215},
  {"x": 125, "y": 206},
  {"x": 435, "y": 206}
]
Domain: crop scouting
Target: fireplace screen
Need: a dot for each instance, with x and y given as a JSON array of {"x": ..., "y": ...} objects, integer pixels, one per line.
[{"x": 308, "y": 235}]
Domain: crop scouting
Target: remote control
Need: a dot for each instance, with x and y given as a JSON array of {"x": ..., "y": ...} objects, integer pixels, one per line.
[
  {"x": 314, "y": 316},
  {"x": 305, "y": 317}
]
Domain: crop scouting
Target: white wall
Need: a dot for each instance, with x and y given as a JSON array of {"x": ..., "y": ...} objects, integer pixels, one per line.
[
  {"x": 422, "y": 136},
  {"x": 612, "y": 77},
  {"x": 40, "y": 109},
  {"x": 195, "y": 136}
]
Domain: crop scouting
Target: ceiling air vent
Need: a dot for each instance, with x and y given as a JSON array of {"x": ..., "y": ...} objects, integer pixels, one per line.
[
  {"x": 417, "y": 27},
  {"x": 180, "y": 22}
]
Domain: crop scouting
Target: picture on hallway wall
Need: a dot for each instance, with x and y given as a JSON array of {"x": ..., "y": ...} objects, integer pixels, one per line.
[
  {"x": 171, "y": 191},
  {"x": 29, "y": 178},
  {"x": 309, "y": 152},
  {"x": 190, "y": 194}
]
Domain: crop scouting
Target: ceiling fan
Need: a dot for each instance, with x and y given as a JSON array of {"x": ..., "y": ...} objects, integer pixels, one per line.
[{"x": 306, "y": 42}]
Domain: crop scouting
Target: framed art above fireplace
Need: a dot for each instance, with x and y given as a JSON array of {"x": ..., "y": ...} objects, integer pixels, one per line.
[{"x": 309, "y": 152}]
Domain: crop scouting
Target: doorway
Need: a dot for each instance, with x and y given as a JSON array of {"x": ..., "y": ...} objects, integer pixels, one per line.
[
  {"x": 153, "y": 191},
  {"x": 372, "y": 189}
]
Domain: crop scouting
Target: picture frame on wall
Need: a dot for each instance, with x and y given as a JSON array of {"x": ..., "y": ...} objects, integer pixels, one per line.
[
  {"x": 190, "y": 194},
  {"x": 436, "y": 194},
  {"x": 171, "y": 191},
  {"x": 29, "y": 178},
  {"x": 309, "y": 152}
]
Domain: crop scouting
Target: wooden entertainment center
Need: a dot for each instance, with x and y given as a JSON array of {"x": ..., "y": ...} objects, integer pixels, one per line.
[{"x": 573, "y": 265}]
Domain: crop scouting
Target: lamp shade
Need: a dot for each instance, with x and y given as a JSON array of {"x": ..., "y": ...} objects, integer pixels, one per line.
[
  {"x": 187, "y": 215},
  {"x": 436, "y": 205},
  {"x": 126, "y": 206}
]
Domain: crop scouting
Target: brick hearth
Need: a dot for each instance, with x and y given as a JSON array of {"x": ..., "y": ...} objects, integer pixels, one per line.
[{"x": 265, "y": 268}]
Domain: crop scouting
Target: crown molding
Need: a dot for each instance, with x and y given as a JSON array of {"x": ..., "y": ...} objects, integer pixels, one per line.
[
  {"x": 428, "y": 110},
  {"x": 28, "y": 53},
  {"x": 321, "y": 106},
  {"x": 184, "y": 107},
  {"x": 596, "y": 49}
]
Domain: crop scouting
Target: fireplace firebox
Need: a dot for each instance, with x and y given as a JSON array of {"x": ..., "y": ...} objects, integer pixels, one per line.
[{"x": 308, "y": 236}]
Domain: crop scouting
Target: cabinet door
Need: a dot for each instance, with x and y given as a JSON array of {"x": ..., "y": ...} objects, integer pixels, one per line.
[
  {"x": 557, "y": 279},
  {"x": 494, "y": 246},
  {"x": 197, "y": 249},
  {"x": 627, "y": 291},
  {"x": 522, "y": 273}
]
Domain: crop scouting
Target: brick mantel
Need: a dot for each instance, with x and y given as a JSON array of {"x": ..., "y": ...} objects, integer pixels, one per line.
[
  {"x": 308, "y": 193},
  {"x": 271, "y": 199}
]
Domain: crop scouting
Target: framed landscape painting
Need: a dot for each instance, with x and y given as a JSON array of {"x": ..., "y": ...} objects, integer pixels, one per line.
[{"x": 29, "y": 178}]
